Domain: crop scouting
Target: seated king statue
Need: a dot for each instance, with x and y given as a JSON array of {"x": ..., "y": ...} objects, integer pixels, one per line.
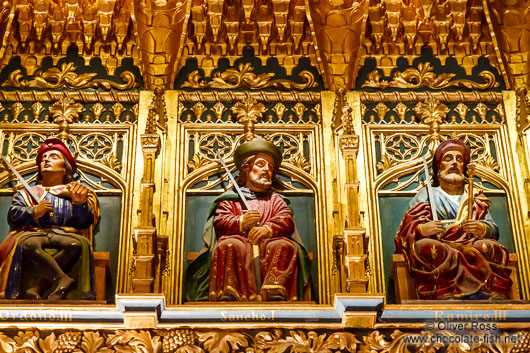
[
  {"x": 456, "y": 256},
  {"x": 225, "y": 268},
  {"x": 47, "y": 254}
]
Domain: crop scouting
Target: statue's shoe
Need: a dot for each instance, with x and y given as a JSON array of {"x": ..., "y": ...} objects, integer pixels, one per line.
[
  {"x": 228, "y": 297},
  {"x": 32, "y": 293},
  {"x": 276, "y": 298},
  {"x": 64, "y": 284}
]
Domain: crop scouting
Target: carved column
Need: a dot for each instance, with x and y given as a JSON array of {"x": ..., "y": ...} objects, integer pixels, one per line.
[
  {"x": 354, "y": 236},
  {"x": 145, "y": 255}
]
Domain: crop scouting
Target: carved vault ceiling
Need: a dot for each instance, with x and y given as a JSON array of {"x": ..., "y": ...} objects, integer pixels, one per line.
[{"x": 337, "y": 36}]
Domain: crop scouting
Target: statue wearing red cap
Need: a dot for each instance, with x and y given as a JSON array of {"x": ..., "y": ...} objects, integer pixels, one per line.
[
  {"x": 456, "y": 256},
  {"x": 47, "y": 253}
]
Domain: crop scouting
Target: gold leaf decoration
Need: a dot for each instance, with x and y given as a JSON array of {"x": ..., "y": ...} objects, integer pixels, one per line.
[
  {"x": 401, "y": 110},
  {"x": 16, "y": 109},
  {"x": 381, "y": 109},
  {"x": 499, "y": 110},
  {"x": 299, "y": 110},
  {"x": 299, "y": 161},
  {"x": 182, "y": 341},
  {"x": 112, "y": 162},
  {"x": 317, "y": 112},
  {"x": 135, "y": 109},
  {"x": 280, "y": 110},
  {"x": 482, "y": 110},
  {"x": 462, "y": 109},
  {"x": 222, "y": 342},
  {"x": 385, "y": 163},
  {"x": 68, "y": 341},
  {"x": 424, "y": 76},
  {"x": 196, "y": 162},
  {"x": 7, "y": 344},
  {"x": 66, "y": 110},
  {"x": 36, "y": 109},
  {"x": 432, "y": 113},
  {"x": 66, "y": 77},
  {"x": 244, "y": 76},
  {"x": 218, "y": 110},
  {"x": 347, "y": 119},
  {"x": 117, "y": 109},
  {"x": 376, "y": 342},
  {"x": 135, "y": 341},
  {"x": 490, "y": 162},
  {"x": 298, "y": 341},
  {"x": 97, "y": 109},
  {"x": 249, "y": 112},
  {"x": 199, "y": 109},
  {"x": 92, "y": 343}
]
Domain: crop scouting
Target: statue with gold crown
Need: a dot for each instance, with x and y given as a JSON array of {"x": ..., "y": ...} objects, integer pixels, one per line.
[
  {"x": 449, "y": 237},
  {"x": 225, "y": 269},
  {"x": 48, "y": 254}
]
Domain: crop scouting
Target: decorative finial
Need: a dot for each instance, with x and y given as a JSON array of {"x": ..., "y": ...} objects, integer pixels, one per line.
[{"x": 249, "y": 112}]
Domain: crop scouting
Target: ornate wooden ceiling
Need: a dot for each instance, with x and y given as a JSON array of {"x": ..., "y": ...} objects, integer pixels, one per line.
[{"x": 336, "y": 35}]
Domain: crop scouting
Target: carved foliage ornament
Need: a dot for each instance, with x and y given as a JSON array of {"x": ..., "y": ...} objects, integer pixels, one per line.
[
  {"x": 180, "y": 341},
  {"x": 65, "y": 112},
  {"x": 424, "y": 76},
  {"x": 275, "y": 341},
  {"x": 249, "y": 112},
  {"x": 245, "y": 77},
  {"x": 66, "y": 77},
  {"x": 432, "y": 113}
]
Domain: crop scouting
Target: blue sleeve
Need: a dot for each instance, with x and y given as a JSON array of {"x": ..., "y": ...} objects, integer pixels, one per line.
[
  {"x": 20, "y": 215},
  {"x": 421, "y": 196},
  {"x": 493, "y": 229},
  {"x": 82, "y": 216}
]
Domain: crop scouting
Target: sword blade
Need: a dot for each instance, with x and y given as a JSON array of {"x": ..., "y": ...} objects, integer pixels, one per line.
[
  {"x": 21, "y": 180},
  {"x": 432, "y": 202},
  {"x": 231, "y": 177}
]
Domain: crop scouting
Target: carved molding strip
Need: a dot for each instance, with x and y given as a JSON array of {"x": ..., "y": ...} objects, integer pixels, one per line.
[
  {"x": 444, "y": 97},
  {"x": 66, "y": 77},
  {"x": 244, "y": 76},
  {"x": 277, "y": 341},
  {"x": 424, "y": 76},
  {"x": 79, "y": 96},
  {"x": 305, "y": 97}
]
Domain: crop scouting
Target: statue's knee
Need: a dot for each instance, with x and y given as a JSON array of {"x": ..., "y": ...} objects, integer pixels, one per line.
[
  {"x": 30, "y": 246},
  {"x": 283, "y": 243},
  {"x": 73, "y": 246},
  {"x": 235, "y": 243}
]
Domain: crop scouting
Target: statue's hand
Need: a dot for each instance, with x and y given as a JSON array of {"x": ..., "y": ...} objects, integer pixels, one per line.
[
  {"x": 250, "y": 219},
  {"x": 257, "y": 233},
  {"x": 430, "y": 228},
  {"x": 78, "y": 193},
  {"x": 474, "y": 227},
  {"x": 41, "y": 209}
]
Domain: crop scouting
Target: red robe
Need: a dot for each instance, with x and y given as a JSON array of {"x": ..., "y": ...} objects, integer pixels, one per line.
[
  {"x": 232, "y": 272},
  {"x": 457, "y": 264}
]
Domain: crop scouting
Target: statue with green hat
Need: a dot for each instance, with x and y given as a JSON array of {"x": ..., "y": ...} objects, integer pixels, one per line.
[{"x": 224, "y": 269}]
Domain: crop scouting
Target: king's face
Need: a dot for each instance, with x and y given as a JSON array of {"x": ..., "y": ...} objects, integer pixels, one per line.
[
  {"x": 52, "y": 162},
  {"x": 261, "y": 172}
]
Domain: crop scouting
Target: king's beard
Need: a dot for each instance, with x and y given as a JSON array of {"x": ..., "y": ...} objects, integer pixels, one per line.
[
  {"x": 261, "y": 181},
  {"x": 451, "y": 178}
]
